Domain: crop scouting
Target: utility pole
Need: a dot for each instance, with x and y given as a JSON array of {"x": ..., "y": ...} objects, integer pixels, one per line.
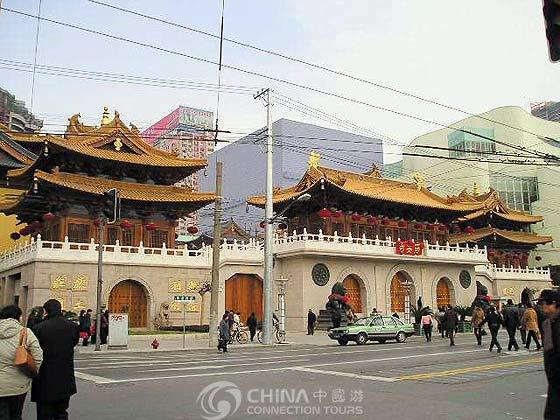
[
  {"x": 267, "y": 286},
  {"x": 215, "y": 290},
  {"x": 100, "y": 245}
]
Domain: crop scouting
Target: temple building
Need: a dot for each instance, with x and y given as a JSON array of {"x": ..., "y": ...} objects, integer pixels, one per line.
[{"x": 392, "y": 243}]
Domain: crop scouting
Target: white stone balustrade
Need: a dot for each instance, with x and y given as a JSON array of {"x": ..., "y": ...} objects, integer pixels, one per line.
[
  {"x": 40, "y": 250},
  {"x": 494, "y": 272},
  {"x": 372, "y": 248}
]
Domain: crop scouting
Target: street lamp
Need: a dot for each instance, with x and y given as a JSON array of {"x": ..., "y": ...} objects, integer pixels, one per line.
[
  {"x": 281, "y": 283},
  {"x": 299, "y": 199}
]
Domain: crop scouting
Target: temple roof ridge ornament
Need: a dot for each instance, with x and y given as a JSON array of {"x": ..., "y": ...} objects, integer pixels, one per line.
[
  {"x": 420, "y": 180},
  {"x": 105, "y": 117},
  {"x": 314, "y": 160}
]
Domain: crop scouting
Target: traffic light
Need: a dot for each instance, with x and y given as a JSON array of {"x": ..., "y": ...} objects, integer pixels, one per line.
[
  {"x": 111, "y": 205},
  {"x": 551, "y": 10}
]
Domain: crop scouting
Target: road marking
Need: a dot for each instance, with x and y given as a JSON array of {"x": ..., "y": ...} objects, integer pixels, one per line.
[
  {"x": 345, "y": 374},
  {"x": 385, "y": 359},
  {"x": 93, "y": 378},
  {"x": 459, "y": 371},
  {"x": 214, "y": 366}
]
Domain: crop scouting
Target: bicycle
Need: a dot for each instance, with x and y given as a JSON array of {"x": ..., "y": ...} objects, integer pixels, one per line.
[
  {"x": 280, "y": 335},
  {"x": 240, "y": 335}
]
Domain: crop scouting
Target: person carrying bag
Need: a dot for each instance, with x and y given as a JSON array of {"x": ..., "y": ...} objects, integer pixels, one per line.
[{"x": 20, "y": 358}]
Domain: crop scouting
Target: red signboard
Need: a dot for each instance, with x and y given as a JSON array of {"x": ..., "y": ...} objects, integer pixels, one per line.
[{"x": 410, "y": 248}]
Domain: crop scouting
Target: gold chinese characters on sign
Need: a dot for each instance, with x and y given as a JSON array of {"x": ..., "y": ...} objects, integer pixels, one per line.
[
  {"x": 175, "y": 307},
  {"x": 192, "y": 286},
  {"x": 175, "y": 286},
  {"x": 193, "y": 307},
  {"x": 80, "y": 283},
  {"x": 509, "y": 291},
  {"x": 58, "y": 281},
  {"x": 79, "y": 305}
]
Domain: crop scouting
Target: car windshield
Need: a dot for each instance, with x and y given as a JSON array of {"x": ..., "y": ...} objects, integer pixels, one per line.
[{"x": 362, "y": 321}]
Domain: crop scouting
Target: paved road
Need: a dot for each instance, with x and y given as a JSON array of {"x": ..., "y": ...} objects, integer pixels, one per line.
[{"x": 413, "y": 380}]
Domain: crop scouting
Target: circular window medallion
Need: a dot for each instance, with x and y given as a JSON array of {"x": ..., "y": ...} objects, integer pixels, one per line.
[
  {"x": 320, "y": 274},
  {"x": 465, "y": 279}
]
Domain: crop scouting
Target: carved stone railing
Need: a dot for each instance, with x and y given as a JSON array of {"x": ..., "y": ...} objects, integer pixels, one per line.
[
  {"x": 40, "y": 250},
  {"x": 373, "y": 248},
  {"x": 494, "y": 272}
]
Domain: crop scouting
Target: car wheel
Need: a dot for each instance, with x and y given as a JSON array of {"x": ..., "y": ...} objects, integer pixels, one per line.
[
  {"x": 382, "y": 340},
  {"x": 361, "y": 338},
  {"x": 343, "y": 341},
  {"x": 401, "y": 337}
]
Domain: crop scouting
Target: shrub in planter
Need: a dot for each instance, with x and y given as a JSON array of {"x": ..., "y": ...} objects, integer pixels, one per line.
[{"x": 190, "y": 328}]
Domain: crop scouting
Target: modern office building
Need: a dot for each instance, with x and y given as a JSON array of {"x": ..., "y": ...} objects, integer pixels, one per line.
[
  {"x": 546, "y": 110},
  {"x": 186, "y": 132},
  {"x": 15, "y": 116},
  {"x": 530, "y": 188},
  {"x": 244, "y": 163}
]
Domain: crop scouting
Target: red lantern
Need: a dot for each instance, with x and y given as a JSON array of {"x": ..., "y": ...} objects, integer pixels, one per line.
[
  {"x": 337, "y": 214},
  {"x": 151, "y": 226},
  {"x": 25, "y": 231},
  {"x": 372, "y": 220},
  {"x": 403, "y": 223},
  {"x": 125, "y": 224},
  {"x": 456, "y": 229},
  {"x": 418, "y": 226},
  {"x": 469, "y": 230},
  {"x": 192, "y": 230},
  {"x": 442, "y": 228},
  {"x": 262, "y": 224},
  {"x": 48, "y": 217},
  {"x": 15, "y": 236},
  {"x": 356, "y": 217},
  {"x": 491, "y": 253},
  {"x": 385, "y": 222},
  {"x": 430, "y": 227},
  {"x": 324, "y": 213},
  {"x": 538, "y": 257}
]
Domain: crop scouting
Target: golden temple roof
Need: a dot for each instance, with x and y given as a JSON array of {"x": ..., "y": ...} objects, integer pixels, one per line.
[
  {"x": 113, "y": 141},
  {"x": 369, "y": 185},
  {"x": 127, "y": 190},
  {"x": 513, "y": 236}
]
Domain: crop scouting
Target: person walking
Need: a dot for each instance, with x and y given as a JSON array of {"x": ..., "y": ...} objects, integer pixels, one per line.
[
  {"x": 14, "y": 381},
  {"x": 532, "y": 326},
  {"x": 522, "y": 329},
  {"x": 224, "y": 331},
  {"x": 55, "y": 384},
  {"x": 104, "y": 333},
  {"x": 550, "y": 301},
  {"x": 252, "y": 324},
  {"x": 476, "y": 320},
  {"x": 311, "y": 320},
  {"x": 439, "y": 317},
  {"x": 84, "y": 321},
  {"x": 427, "y": 325},
  {"x": 511, "y": 322},
  {"x": 449, "y": 322},
  {"x": 494, "y": 320}
]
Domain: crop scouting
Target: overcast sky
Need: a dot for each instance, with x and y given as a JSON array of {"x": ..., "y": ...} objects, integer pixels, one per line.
[{"x": 474, "y": 55}]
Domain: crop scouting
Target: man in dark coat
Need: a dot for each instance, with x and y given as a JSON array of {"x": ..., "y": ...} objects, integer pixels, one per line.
[
  {"x": 495, "y": 321},
  {"x": 511, "y": 322},
  {"x": 252, "y": 324},
  {"x": 550, "y": 301},
  {"x": 450, "y": 321},
  {"x": 56, "y": 383},
  {"x": 311, "y": 320}
]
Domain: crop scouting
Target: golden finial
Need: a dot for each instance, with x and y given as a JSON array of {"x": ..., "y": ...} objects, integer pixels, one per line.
[
  {"x": 118, "y": 144},
  {"x": 314, "y": 159},
  {"x": 105, "y": 118},
  {"x": 475, "y": 189},
  {"x": 420, "y": 180},
  {"x": 117, "y": 115}
]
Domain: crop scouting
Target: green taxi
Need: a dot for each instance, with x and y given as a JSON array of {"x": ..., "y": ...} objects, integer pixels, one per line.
[{"x": 375, "y": 328}]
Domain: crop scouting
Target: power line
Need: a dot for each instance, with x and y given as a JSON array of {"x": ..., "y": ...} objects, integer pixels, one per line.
[
  {"x": 314, "y": 65},
  {"x": 276, "y": 79}
]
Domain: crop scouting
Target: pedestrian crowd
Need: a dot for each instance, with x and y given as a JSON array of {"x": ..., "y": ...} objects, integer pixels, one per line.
[{"x": 40, "y": 358}]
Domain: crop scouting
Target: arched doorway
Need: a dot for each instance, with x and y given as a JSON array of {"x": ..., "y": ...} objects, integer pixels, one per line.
[
  {"x": 244, "y": 294},
  {"x": 443, "y": 292},
  {"x": 129, "y": 297},
  {"x": 399, "y": 293},
  {"x": 354, "y": 292}
]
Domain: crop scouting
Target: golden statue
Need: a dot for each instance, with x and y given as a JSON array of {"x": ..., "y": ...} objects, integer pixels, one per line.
[
  {"x": 118, "y": 144},
  {"x": 475, "y": 190},
  {"x": 314, "y": 160},
  {"x": 105, "y": 118},
  {"x": 420, "y": 180}
]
